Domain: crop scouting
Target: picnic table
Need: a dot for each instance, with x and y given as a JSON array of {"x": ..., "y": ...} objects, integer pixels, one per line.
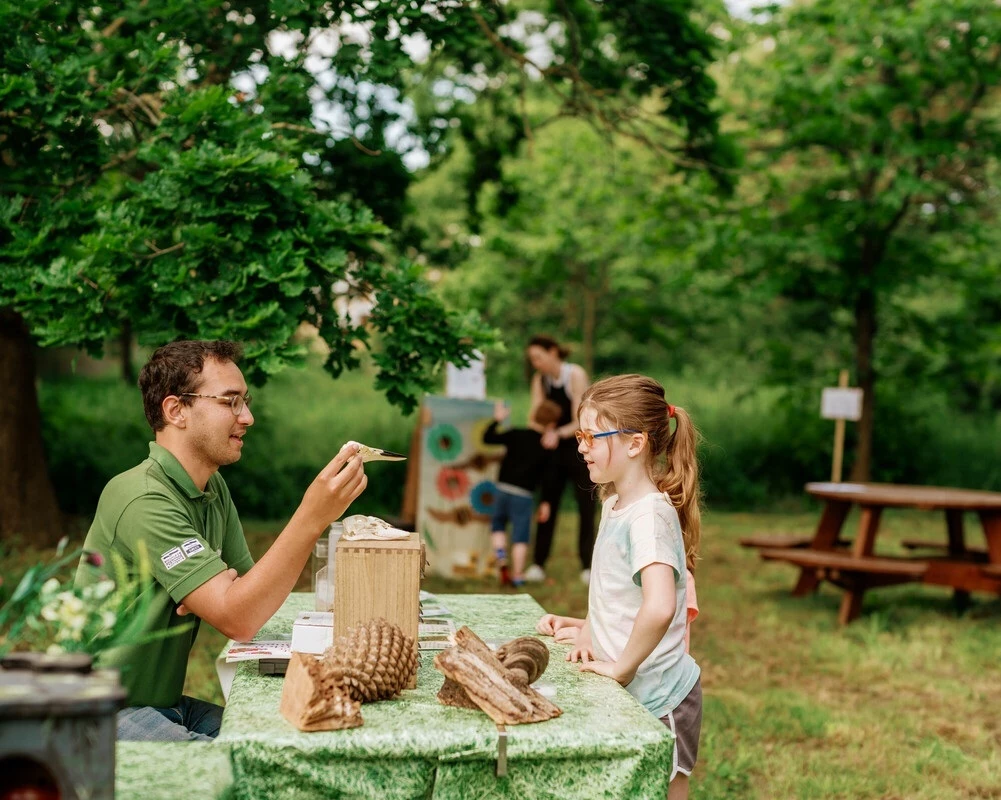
[
  {"x": 605, "y": 744},
  {"x": 853, "y": 564}
]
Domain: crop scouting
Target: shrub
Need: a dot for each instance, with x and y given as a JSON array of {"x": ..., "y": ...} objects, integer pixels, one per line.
[{"x": 760, "y": 445}]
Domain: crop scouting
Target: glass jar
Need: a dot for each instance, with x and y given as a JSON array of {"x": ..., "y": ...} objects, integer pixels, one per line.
[
  {"x": 322, "y": 601},
  {"x": 324, "y": 553}
]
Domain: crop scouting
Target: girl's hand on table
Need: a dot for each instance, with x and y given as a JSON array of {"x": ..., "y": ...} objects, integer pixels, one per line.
[
  {"x": 552, "y": 625},
  {"x": 609, "y": 669},
  {"x": 582, "y": 649},
  {"x": 546, "y": 625},
  {"x": 567, "y": 635}
]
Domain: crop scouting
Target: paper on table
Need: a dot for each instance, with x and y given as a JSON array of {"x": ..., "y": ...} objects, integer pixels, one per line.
[
  {"x": 252, "y": 651},
  {"x": 436, "y": 635},
  {"x": 433, "y": 627}
]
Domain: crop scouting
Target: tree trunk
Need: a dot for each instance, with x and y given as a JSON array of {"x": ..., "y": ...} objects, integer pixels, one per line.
[
  {"x": 865, "y": 334},
  {"x": 125, "y": 342},
  {"x": 27, "y": 501},
  {"x": 588, "y": 326}
]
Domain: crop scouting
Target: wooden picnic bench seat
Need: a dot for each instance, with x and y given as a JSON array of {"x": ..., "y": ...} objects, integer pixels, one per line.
[
  {"x": 772, "y": 540},
  {"x": 991, "y": 570},
  {"x": 836, "y": 563},
  {"x": 776, "y": 540},
  {"x": 974, "y": 553}
]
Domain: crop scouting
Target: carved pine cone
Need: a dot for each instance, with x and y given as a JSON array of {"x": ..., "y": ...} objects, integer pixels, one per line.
[{"x": 373, "y": 661}]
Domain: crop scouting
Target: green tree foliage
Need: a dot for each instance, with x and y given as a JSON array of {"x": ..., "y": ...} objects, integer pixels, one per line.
[
  {"x": 164, "y": 169},
  {"x": 141, "y": 186},
  {"x": 602, "y": 246},
  {"x": 874, "y": 129},
  {"x": 206, "y": 169},
  {"x": 530, "y": 64},
  {"x": 187, "y": 187}
]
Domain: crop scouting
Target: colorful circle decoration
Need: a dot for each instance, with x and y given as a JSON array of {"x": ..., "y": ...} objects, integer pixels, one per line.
[
  {"x": 445, "y": 442},
  {"x": 483, "y": 497},
  {"x": 452, "y": 483}
]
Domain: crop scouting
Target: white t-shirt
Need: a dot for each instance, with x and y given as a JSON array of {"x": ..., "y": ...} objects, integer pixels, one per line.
[{"x": 646, "y": 532}]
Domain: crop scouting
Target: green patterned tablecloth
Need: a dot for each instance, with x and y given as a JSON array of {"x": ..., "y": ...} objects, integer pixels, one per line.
[
  {"x": 172, "y": 771},
  {"x": 605, "y": 745}
]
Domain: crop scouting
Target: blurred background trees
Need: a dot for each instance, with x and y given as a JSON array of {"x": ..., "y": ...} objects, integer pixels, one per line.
[{"x": 872, "y": 134}]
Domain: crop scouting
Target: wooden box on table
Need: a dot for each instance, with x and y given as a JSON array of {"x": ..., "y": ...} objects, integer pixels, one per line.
[{"x": 378, "y": 578}]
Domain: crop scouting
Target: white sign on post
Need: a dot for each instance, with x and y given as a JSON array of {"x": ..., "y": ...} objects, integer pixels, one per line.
[
  {"x": 467, "y": 383},
  {"x": 841, "y": 404}
]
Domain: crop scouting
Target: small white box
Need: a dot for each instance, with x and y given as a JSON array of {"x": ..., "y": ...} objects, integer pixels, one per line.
[{"x": 313, "y": 632}]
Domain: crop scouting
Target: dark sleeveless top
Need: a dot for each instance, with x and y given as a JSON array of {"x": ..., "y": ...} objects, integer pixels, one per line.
[{"x": 560, "y": 394}]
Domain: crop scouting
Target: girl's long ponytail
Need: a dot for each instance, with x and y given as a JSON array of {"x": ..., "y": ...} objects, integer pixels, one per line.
[{"x": 680, "y": 480}]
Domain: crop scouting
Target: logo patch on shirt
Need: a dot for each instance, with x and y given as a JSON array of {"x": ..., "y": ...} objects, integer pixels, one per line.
[
  {"x": 173, "y": 557},
  {"x": 191, "y": 547}
]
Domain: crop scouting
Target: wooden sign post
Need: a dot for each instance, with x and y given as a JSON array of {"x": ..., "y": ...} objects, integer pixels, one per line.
[{"x": 839, "y": 404}]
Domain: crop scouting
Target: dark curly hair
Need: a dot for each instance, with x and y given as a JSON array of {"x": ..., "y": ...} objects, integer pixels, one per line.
[{"x": 174, "y": 369}]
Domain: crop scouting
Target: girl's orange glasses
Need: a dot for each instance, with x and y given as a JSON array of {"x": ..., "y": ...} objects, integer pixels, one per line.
[{"x": 588, "y": 438}]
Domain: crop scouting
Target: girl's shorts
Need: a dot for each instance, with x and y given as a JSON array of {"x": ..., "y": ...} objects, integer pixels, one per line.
[{"x": 685, "y": 723}]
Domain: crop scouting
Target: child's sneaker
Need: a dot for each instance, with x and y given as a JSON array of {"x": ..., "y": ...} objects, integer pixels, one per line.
[
  {"x": 535, "y": 574},
  {"x": 517, "y": 583}
]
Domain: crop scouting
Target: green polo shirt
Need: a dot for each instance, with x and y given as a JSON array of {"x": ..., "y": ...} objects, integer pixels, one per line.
[{"x": 188, "y": 536}]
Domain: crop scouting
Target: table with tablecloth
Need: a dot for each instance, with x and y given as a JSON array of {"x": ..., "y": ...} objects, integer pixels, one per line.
[{"x": 605, "y": 745}]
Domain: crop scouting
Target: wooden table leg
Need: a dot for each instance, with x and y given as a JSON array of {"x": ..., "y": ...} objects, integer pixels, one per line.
[
  {"x": 957, "y": 549},
  {"x": 991, "y": 520},
  {"x": 851, "y": 602},
  {"x": 825, "y": 538},
  {"x": 865, "y": 541}
]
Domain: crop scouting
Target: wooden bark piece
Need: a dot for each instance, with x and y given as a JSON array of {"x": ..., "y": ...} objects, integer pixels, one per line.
[
  {"x": 525, "y": 658},
  {"x": 503, "y": 694},
  {"x": 312, "y": 703},
  {"x": 373, "y": 661}
]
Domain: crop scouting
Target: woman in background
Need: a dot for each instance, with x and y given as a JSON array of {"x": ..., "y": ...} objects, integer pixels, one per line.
[{"x": 564, "y": 383}]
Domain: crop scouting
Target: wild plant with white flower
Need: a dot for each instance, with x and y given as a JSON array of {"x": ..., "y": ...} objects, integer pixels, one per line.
[{"x": 47, "y": 611}]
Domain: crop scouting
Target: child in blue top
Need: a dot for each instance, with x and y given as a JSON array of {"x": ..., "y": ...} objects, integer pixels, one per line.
[{"x": 649, "y": 534}]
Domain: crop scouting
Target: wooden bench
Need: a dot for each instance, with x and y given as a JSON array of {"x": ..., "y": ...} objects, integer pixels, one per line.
[
  {"x": 964, "y": 576},
  {"x": 836, "y": 565},
  {"x": 854, "y": 573},
  {"x": 857, "y": 567},
  {"x": 974, "y": 553},
  {"x": 772, "y": 540},
  {"x": 991, "y": 570}
]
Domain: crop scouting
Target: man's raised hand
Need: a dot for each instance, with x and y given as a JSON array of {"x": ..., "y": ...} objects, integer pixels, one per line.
[{"x": 336, "y": 487}]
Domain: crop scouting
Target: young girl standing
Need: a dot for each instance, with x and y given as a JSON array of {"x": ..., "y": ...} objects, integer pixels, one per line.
[{"x": 649, "y": 533}]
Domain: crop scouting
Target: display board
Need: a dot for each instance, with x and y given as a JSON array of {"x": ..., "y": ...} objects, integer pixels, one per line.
[{"x": 457, "y": 486}]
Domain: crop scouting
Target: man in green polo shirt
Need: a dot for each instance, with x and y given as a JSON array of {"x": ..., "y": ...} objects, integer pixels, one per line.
[{"x": 175, "y": 511}]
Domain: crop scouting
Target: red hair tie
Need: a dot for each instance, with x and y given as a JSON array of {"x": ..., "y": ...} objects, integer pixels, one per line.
[{"x": 670, "y": 411}]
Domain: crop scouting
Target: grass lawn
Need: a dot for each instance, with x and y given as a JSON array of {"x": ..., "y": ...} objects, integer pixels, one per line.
[{"x": 903, "y": 703}]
